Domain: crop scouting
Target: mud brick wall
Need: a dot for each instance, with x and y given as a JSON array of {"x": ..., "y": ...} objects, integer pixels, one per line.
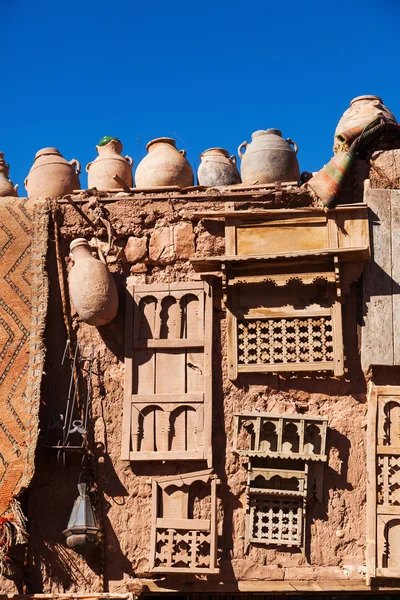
[{"x": 155, "y": 240}]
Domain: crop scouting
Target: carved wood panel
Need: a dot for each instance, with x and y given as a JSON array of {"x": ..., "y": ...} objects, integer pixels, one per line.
[
  {"x": 167, "y": 410},
  {"x": 383, "y": 489},
  {"x": 182, "y": 542}
]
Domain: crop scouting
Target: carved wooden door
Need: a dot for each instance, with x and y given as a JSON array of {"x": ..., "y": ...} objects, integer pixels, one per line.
[{"x": 167, "y": 410}]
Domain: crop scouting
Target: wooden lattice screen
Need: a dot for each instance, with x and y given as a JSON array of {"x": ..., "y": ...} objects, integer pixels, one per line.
[
  {"x": 276, "y": 506},
  {"x": 168, "y": 384}
]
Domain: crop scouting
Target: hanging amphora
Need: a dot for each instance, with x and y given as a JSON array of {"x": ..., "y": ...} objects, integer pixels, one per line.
[
  {"x": 91, "y": 286},
  {"x": 108, "y": 164},
  {"x": 51, "y": 175},
  {"x": 7, "y": 188},
  {"x": 163, "y": 166},
  {"x": 268, "y": 158},
  {"x": 217, "y": 168}
]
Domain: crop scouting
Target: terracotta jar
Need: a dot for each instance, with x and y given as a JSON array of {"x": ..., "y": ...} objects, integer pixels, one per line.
[
  {"x": 109, "y": 163},
  {"x": 268, "y": 158},
  {"x": 51, "y": 175},
  {"x": 217, "y": 168},
  {"x": 361, "y": 111},
  {"x": 7, "y": 188},
  {"x": 163, "y": 166},
  {"x": 91, "y": 286}
]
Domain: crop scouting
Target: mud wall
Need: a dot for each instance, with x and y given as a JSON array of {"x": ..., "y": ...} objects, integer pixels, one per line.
[{"x": 154, "y": 241}]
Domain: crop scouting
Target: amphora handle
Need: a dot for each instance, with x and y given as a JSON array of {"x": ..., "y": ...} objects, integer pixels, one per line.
[{"x": 244, "y": 145}]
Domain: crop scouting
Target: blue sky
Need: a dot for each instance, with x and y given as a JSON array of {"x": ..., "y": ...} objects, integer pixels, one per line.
[{"x": 209, "y": 73}]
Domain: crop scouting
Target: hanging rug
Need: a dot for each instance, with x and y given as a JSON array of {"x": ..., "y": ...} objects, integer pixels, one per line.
[{"x": 23, "y": 307}]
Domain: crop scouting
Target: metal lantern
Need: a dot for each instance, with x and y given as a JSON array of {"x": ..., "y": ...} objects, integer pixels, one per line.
[{"x": 82, "y": 531}]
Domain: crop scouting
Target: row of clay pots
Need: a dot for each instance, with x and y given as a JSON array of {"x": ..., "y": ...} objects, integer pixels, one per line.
[{"x": 268, "y": 158}]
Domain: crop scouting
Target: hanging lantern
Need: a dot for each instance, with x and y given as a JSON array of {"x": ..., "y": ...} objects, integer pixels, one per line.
[{"x": 82, "y": 531}]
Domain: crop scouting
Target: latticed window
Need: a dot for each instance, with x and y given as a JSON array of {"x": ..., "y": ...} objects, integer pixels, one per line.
[{"x": 282, "y": 341}]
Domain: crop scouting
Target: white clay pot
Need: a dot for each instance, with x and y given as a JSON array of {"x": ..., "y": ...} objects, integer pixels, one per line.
[{"x": 91, "y": 286}]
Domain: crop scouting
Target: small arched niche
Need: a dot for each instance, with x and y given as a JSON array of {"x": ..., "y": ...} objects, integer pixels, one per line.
[
  {"x": 290, "y": 438},
  {"x": 392, "y": 424},
  {"x": 150, "y": 429},
  {"x": 148, "y": 307},
  {"x": 312, "y": 439},
  {"x": 268, "y": 437}
]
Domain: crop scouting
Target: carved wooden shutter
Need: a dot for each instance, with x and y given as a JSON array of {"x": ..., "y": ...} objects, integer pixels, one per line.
[
  {"x": 168, "y": 385},
  {"x": 383, "y": 483},
  {"x": 179, "y": 542}
]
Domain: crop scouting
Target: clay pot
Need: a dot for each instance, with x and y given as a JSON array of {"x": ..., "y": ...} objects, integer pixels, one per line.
[
  {"x": 91, "y": 286},
  {"x": 163, "y": 166},
  {"x": 217, "y": 168},
  {"x": 361, "y": 111},
  {"x": 7, "y": 188},
  {"x": 268, "y": 158},
  {"x": 109, "y": 163},
  {"x": 51, "y": 175}
]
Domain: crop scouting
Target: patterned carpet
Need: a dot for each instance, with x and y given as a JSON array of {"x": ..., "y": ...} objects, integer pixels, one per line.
[{"x": 23, "y": 306}]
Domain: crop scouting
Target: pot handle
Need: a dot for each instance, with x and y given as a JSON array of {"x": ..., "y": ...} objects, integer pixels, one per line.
[
  {"x": 244, "y": 145},
  {"x": 233, "y": 159},
  {"x": 129, "y": 160},
  {"x": 183, "y": 152},
  {"x": 25, "y": 182},
  {"x": 75, "y": 163},
  {"x": 88, "y": 166},
  {"x": 292, "y": 143}
]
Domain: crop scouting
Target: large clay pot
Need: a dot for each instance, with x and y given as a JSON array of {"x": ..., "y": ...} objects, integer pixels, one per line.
[
  {"x": 7, "y": 188},
  {"x": 163, "y": 166},
  {"x": 361, "y": 112},
  {"x": 268, "y": 158},
  {"x": 217, "y": 168},
  {"x": 51, "y": 175},
  {"x": 109, "y": 163},
  {"x": 91, "y": 286}
]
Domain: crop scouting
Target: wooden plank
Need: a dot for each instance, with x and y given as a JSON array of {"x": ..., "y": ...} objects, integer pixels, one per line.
[
  {"x": 284, "y": 311},
  {"x": 172, "y": 570},
  {"x": 231, "y": 334},
  {"x": 213, "y": 525},
  {"x": 167, "y": 455},
  {"x": 189, "y": 524},
  {"x": 388, "y": 510},
  {"x": 287, "y": 416},
  {"x": 395, "y": 228},
  {"x": 126, "y": 419},
  {"x": 377, "y": 284},
  {"x": 285, "y": 238},
  {"x": 169, "y": 343},
  {"x": 207, "y": 377},
  {"x": 388, "y": 450},
  {"x": 337, "y": 329},
  {"x": 153, "y": 533},
  {"x": 371, "y": 482},
  {"x": 259, "y": 213},
  {"x": 167, "y": 398}
]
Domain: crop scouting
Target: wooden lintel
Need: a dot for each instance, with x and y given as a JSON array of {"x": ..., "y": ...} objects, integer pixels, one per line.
[{"x": 214, "y": 263}]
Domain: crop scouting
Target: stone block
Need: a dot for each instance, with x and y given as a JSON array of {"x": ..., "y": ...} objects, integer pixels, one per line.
[
  {"x": 168, "y": 244},
  {"x": 135, "y": 249}
]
